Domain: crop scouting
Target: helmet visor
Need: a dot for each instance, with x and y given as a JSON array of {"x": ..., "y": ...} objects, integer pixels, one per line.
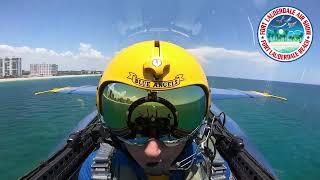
[{"x": 181, "y": 109}]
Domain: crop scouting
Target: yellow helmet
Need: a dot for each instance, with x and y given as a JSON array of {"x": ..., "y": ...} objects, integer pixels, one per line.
[{"x": 152, "y": 67}]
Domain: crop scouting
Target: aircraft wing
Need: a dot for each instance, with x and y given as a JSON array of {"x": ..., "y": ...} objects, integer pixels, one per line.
[
  {"x": 216, "y": 93},
  {"x": 81, "y": 90},
  {"x": 219, "y": 94}
]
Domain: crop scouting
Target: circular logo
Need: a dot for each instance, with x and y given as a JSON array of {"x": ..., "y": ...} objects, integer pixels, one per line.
[
  {"x": 285, "y": 34},
  {"x": 156, "y": 62}
]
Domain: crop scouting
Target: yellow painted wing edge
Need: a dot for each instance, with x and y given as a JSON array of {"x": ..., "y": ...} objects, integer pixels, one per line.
[
  {"x": 54, "y": 90},
  {"x": 264, "y": 94}
]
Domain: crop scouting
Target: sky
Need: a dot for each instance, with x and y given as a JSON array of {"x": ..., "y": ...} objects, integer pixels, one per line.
[{"x": 78, "y": 34}]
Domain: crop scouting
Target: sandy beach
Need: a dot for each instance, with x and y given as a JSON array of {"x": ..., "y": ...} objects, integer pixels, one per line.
[
  {"x": 285, "y": 44},
  {"x": 44, "y": 78}
]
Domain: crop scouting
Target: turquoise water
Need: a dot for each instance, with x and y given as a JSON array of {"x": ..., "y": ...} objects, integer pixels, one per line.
[
  {"x": 32, "y": 126},
  {"x": 287, "y": 133}
]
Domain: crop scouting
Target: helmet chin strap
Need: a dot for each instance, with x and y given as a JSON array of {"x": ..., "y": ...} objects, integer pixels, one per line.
[
  {"x": 186, "y": 163},
  {"x": 164, "y": 165},
  {"x": 155, "y": 166}
]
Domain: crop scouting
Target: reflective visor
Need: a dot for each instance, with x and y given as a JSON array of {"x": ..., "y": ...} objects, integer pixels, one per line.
[{"x": 189, "y": 104}]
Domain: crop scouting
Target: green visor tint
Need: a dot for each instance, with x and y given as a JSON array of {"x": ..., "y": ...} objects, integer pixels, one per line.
[{"x": 125, "y": 107}]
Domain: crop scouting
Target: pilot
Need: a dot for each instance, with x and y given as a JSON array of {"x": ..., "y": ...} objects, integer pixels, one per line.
[{"x": 153, "y": 99}]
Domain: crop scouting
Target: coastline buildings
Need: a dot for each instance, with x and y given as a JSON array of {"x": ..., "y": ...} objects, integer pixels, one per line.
[
  {"x": 82, "y": 72},
  {"x": 43, "y": 70},
  {"x": 10, "y": 67}
]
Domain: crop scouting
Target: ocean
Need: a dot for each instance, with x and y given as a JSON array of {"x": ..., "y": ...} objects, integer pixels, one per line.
[{"x": 285, "y": 132}]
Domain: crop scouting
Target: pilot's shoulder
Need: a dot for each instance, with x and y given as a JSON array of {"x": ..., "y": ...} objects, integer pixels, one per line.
[{"x": 85, "y": 171}]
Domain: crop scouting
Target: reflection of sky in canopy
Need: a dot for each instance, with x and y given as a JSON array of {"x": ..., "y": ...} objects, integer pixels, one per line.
[{"x": 175, "y": 96}]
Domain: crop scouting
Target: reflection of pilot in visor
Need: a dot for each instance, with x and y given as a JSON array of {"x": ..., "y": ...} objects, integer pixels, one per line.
[{"x": 153, "y": 98}]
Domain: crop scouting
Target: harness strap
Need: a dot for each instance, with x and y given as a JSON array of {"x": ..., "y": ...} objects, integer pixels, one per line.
[
  {"x": 218, "y": 170},
  {"x": 101, "y": 166}
]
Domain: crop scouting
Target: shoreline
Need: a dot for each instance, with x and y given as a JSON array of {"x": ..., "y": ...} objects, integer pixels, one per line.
[
  {"x": 46, "y": 77},
  {"x": 292, "y": 82},
  {"x": 88, "y": 75}
]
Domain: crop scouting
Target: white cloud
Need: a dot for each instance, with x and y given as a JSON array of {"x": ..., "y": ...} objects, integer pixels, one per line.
[
  {"x": 219, "y": 61},
  {"x": 86, "y": 51},
  {"x": 207, "y": 54},
  {"x": 216, "y": 61},
  {"x": 86, "y": 58}
]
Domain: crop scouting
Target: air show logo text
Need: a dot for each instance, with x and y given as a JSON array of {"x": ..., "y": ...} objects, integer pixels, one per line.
[{"x": 285, "y": 34}]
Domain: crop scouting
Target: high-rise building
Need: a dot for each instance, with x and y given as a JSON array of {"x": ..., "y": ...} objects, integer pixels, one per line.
[
  {"x": 43, "y": 69},
  {"x": 10, "y": 67}
]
